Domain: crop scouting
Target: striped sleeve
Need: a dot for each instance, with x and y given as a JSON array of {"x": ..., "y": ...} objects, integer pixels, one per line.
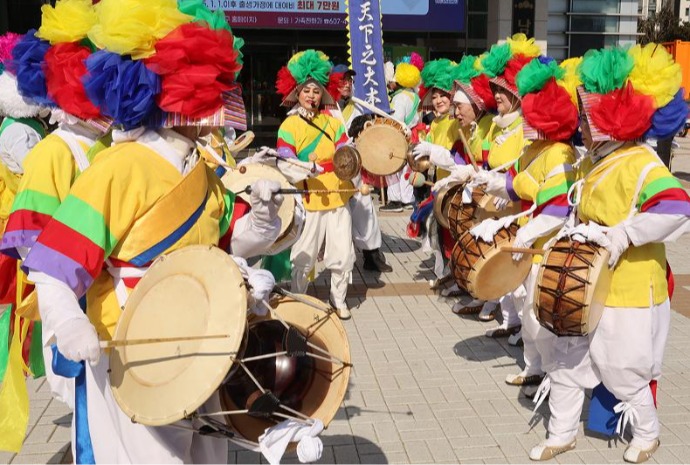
[
  {"x": 664, "y": 194},
  {"x": 552, "y": 197},
  {"x": 286, "y": 140},
  {"x": 341, "y": 138},
  {"x": 510, "y": 182},
  {"x": 234, "y": 209},
  {"x": 49, "y": 173},
  {"x": 457, "y": 151}
]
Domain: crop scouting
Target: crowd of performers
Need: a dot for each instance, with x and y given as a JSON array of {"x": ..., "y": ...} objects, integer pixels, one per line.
[{"x": 116, "y": 132}]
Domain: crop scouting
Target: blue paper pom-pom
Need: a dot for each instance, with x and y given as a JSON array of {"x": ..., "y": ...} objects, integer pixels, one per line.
[
  {"x": 669, "y": 119},
  {"x": 27, "y": 60},
  {"x": 122, "y": 88}
]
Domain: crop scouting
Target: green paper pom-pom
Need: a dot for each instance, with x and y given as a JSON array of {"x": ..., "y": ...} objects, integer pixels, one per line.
[
  {"x": 465, "y": 70},
  {"x": 438, "y": 73},
  {"x": 494, "y": 63},
  {"x": 535, "y": 74},
  {"x": 606, "y": 70},
  {"x": 310, "y": 64},
  {"x": 200, "y": 12}
]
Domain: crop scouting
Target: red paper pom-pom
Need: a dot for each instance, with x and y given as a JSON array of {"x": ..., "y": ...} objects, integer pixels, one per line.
[
  {"x": 334, "y": 81},
  {"x": 197, "y": 65},
  {"x": 422, "y": 92},
  {"x": 551, "y": 111},
  {"x": 623, "y": 114},
  {"x": 285, "y": 83},
  {"x": 514, "y": 66},
  {"x": 480, "y": 85},
  {"x": 64, "y": 67}
]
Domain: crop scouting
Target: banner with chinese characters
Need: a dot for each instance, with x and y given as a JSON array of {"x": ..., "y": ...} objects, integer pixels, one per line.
[{"x": 366, "y": 51}]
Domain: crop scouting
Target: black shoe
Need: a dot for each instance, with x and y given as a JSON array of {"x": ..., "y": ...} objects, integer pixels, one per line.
[
  {"x": 392, "y": 207},
  {"x": 374, "y": 261}
]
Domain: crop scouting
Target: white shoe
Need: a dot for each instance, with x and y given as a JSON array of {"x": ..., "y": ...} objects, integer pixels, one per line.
[
  {"x": 342, "y": 311},
  {"x": 637, "y": 454},
  {"x": 544, "y": 452},
  {"x": 487, "y": 313},
  {"x": 515, "y": 339},
  {"x": 470, "y": 308},
  {"x": 453, "y": 290}
]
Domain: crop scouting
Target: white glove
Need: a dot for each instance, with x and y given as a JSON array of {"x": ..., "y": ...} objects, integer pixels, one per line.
[
  {"x": 590, "y": 232},
  {"x": 487, "y": 229},
  {"x": 536, "y": 228},
  {"x": 77, "y": 340},
  {"x": 618, "y": 243},
  {"x": 500, "y": 203},
  {"x": 264, "y": 202},
  {"x": 438, "y": 185},
  {"x": 439, "y": 156},
  {"x": 261, "y": 284},
  {"x": 265, "y": 155},
  {"x": 462, "y": 173},
  {"x": 495, "y": 183}
]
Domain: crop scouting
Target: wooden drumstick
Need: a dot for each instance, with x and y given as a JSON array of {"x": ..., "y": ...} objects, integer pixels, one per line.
[
  {"x": 522, "y": 250},
  {"x": 312, "y": 159},
  {"x": 292, "y": 162},
  {"x": 155, "y": 340},
  {"x": 364, "y": 189},
  {"x": 468, "y": 150}
]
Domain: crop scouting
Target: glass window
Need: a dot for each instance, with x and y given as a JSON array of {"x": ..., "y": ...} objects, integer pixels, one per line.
[
  {"x": 478, "y": 5},
  {"x": 579, "y": 44},
  {"x": 595, "y": 6},
  {"x": 477, "y": 25},
  {"x": 594, "y": 23}
]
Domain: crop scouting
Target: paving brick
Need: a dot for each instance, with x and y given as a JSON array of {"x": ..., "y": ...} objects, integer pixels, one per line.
[
  {"x": 6, "y": 457},
  {"x": 36, "y": 458},
  {"x": 346, "y": 454},
  {"x": 418, "y": 452}
]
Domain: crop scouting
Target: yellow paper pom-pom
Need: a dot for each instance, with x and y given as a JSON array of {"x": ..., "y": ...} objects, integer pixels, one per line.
[
  {"x": 571, "y": 80},
  {"x": 68, "y": 21},
  {"x": 655, "y": 73},
  {"x": 478, "y": 62},
  {"x": 407, "y": 75},
  {"x": 132, "y": 27},
  {"x": 521, "y": 45}
]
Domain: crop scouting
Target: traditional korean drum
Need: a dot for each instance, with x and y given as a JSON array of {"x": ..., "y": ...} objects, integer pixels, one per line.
[
  {"x": 464, "y": 216},
  {"x": 291, "y": 212},
  {"x": 442, "y": 202},
  {"x": 293, "y": 363},
  {"x": 347, "y": 163},
  {"x": 484, "y": 270},
  {"x": 572, "y": 286},
  {"x": 383, "y": 145}
]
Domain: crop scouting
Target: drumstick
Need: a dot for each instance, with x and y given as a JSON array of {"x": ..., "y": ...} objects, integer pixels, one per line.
[
  {"x": 468, "y": 150},
  {"x": 364, "y": 189},
  {"x": 154, "y": 340},
  {"x": 292, "y": 162},
  {"x": 522, "y": 250}
]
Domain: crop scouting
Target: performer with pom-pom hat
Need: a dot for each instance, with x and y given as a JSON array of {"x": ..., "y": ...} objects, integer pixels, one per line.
[
  {"x": 162, "y": 73},
  {"x": 310, "y": 134},
  {"x": 629, "y": 205}
]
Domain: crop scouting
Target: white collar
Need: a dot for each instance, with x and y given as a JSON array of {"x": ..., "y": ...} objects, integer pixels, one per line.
[
  {"x": 503, "y": 121},
  {"x": 603, "y": 149}
]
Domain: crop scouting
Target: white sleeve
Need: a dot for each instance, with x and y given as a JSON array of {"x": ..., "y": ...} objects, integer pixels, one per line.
[
  {"x": 16, "y": 142},
  {"x": 401, "y": 105},
  {"x": 541, "y": 226},
  {"x": 57, "y": 303},
  {"x": 250, "y": 239},
  {"x": 646, "y": 227}
]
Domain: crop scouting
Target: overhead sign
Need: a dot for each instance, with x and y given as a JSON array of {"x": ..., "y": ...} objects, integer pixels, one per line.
[{"x": 398, "y": 15}]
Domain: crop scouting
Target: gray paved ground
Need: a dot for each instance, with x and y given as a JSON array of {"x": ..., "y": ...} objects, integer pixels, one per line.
[{"x": 427, "y": 386}]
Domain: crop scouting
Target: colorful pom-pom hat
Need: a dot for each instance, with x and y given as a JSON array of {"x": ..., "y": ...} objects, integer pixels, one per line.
[
  {"x": 630, "y": 94},
  {"x": 309, "y": 66},
  {"x": 549, "y": 101},
  {"x": 473, "y": 84},
  {"x": 12, "y": 103},
  {"x": 436, "y": 75},
  {"x": 408, "y": 70},
  {"x": 504, "y": 61}
]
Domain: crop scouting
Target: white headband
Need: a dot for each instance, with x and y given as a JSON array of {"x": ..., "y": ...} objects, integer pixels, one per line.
[{"x": 461, "y": 97}]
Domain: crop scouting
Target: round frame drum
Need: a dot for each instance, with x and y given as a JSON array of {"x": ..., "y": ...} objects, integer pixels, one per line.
[
  {"x": 442, "y": 203},
  {"x": 242, "y": 176},
  {"x": 383, "y": 145},
  {"x": 347, "y": 163},
  {"x": 483, "y": 270},
  {"x": 326, "y": 388},
  {"x": 572, "y": 286},
  {"x": 464, "y": 216}
]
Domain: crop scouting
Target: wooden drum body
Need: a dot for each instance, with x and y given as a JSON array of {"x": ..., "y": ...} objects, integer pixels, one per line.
[
  {"x": 442, "y": 203},
  {"x": 483, "y": 270},
  {"x": 572, "y": 286},
  {"x": 464, "y": 216}
]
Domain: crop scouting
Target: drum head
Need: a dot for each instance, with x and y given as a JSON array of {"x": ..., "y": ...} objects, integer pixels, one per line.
[
  {"x": 326, "y": 391},
  {"x": 346, "y": 163},
  {"x": 442, "y": 203},
  {"x": 599, "y": 292},
  {"x": 194, "y": 291},
  {"x": 243, "y": 176},
  {"x": 383, "y": 149},
  {"x": 487, "y": 209}
]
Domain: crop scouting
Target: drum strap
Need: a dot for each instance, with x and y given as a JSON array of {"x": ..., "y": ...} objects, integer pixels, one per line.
[
  {"x": 311, "y": 123},
  {"x": 77, "y": 151}
]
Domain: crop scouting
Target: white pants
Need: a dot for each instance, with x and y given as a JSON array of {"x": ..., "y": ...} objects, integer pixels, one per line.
[
  {"x": 399, "y": 188},
  {"x": 626, "y": 351},
  {"x": 115, "y": 439},
  {"x": 538, "y": 341},
  {"x": 366, "y": 232},
  {"x": 334, "y": 227}
]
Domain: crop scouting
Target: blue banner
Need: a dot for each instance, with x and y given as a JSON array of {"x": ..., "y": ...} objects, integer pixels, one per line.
[{"x": 366, "y": 51}]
